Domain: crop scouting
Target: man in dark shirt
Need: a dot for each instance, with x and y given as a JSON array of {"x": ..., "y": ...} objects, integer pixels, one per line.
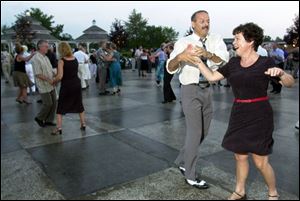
[{"x": 52, "y": 56}]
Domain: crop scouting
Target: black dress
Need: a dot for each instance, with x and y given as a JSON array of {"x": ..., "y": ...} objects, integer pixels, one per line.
[
  {"x": 251, "y": 124},
  {"x": 70, "y": 97}
]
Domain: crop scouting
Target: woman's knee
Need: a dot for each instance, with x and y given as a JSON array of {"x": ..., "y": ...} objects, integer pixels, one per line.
[
  {"x": 260, "y": 161},
  {"x": 241, "y": 157}
]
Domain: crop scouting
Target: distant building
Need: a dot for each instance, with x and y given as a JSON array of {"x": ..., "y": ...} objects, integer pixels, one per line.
[
  {"x": 228, "y": 41},
  {"x": 39, "y": 32},
  {"x": 93, "y": 34}
]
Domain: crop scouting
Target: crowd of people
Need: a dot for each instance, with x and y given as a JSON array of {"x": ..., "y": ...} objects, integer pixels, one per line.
[
  {"x": 60, "y": 81},
  {"x": 201, "y": 59}
]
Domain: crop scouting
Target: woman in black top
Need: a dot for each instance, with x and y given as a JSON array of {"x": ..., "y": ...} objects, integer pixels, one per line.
[
  {"x": 20, "y": 77},
  {"x": 70, "y": 96},
  {"x": 251, "y": 122}
]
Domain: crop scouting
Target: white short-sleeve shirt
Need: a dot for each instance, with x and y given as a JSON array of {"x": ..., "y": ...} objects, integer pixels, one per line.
[{"x": 188, "y": 73}]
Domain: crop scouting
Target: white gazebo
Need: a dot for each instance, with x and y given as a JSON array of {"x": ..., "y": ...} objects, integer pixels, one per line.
[
  {"x": 93, "y": 34},
  {"x": 39, "y": 33}
]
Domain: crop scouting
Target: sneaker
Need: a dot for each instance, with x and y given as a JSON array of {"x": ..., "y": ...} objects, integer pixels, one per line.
[{"x": 201, "y": 184}]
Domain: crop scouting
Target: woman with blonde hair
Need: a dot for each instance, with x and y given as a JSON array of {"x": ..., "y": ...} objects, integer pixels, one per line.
[{"x": 70, "y": 97}]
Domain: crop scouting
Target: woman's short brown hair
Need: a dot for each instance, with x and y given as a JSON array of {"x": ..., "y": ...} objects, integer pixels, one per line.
[
  {"x": 64, "y": 49},
  {"x": 251, "y": 32}
]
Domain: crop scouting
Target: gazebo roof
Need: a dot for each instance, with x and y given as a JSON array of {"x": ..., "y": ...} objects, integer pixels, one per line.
[
  {"x": 94, "y": 29},
  {"x": 92, "y": 37},
  {"x": 36, "y": 27},
  {"x": 93, "y": 34}
]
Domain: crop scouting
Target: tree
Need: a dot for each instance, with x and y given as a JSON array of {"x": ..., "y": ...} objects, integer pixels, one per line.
[
  {"x": 292, "y": 36},
  {"x": 24, "y": 33},
  {"x": 267, "y": 38},
  {"x": 170, "y": 34},
  {"x": 118, "y": 34},
  {"x": 139, "y": 33},
  {"x": 47, "y": 22},
  {"x": 4, "y": 28},
  {"x": 152, "y": 37},
  {"x": 278, "y": 39},
  {"x": 66, "y": 37},
  {"x": 135, "y": 27}
]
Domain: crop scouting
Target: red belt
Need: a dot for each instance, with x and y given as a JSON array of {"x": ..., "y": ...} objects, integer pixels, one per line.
[{"x": 251, "y": 100}]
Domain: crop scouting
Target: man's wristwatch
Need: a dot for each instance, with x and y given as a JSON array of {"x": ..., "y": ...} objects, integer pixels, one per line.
[{"x": 210, "y": 55}]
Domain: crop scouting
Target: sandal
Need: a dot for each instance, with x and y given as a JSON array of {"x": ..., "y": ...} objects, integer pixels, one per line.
[
  {"x": 82, "y": 127},
  {"x": 240, "y": 197},
  {"x": 27, "y": 102},
  {"x": 57, "y": 131},
  {"x": 19, "y": 101},
  {"x": 273, "y": 197}
]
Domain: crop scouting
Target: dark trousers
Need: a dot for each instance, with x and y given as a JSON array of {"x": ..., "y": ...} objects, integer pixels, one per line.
[
  {"x": 169, "y": 95},
  {"x": 275, "y": 81},
  {"x": 47, "y": 112}
]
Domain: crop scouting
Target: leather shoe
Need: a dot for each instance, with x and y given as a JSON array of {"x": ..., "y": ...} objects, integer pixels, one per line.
[
  {"x": 40, "y": 122},
  {"x": 50, "y": 124}
]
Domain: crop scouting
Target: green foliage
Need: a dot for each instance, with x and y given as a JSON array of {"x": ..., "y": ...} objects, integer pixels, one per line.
[
  {"x": 126, "y": 53},
  {"x": 292, "y": 36},
  {"x": 66, "y": 37},
  {"x": 47, "y": 22},
  {"x": 118, "y": 34},
  {"x": 94, "y": 46},
  {"x": 139, "y": 33},
  {"x": 267, "y": 38},
  {"x": 24, "y": 33},
  {"x": 135, "y": 26},
  {"x": 4, "y": 28},
  {"x": 154, "y": 36}
]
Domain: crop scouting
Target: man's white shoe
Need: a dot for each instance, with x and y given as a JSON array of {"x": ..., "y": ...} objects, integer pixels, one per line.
[
  {"x": 201, "y": 184},
  {"x": 182, "y": 170}
]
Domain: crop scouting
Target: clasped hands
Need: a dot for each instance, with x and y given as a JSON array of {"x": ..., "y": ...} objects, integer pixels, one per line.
[{"x": 193, "y": 55}]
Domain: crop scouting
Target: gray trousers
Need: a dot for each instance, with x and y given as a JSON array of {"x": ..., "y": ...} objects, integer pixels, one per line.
[
  {"x": 102, "y": 73},
  {"x": 197, "y": 108},
  {"x": 6, "y": 68},
  {"x": 47, "y": 112}
]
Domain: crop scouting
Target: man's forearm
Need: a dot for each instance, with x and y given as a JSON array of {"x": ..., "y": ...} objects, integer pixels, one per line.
[
  {"x": 214, "y": 58},
  {"x": 174, "y": 64},
  {"x": 42, "y": 77}
]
